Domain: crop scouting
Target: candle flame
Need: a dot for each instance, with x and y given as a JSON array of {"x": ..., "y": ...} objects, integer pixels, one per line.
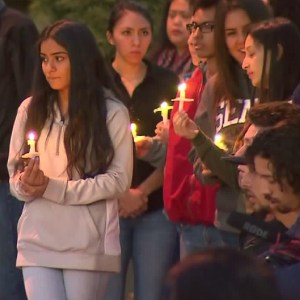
[
  {"x": 31, "y": 136},
  {"x": 133, "y": 128},
  {"x": 219, "y": 141},
  {"x": 164, "y": 105},
  {"x": 218, "y": 138},
  {"x": 182, "y": 87}
]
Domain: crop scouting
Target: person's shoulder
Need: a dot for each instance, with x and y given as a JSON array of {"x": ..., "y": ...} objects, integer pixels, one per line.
[
  {"x": 23, "y": 108},
  {"x": 114, "y": 105},
  {"x": 26, "y": 102},
  {"x": 196, "y": 76},
  {"x": 210, "y": 85}
]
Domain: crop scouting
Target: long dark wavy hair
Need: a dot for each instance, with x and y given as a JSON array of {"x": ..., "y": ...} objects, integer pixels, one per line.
[
  {"x": 227, "y": 76},
  {"x": 87, "y": 110},
  {"x": 280, "y": 38}
]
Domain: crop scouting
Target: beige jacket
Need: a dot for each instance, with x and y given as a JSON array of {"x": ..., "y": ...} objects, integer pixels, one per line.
[{"x": 75, "y": 224}]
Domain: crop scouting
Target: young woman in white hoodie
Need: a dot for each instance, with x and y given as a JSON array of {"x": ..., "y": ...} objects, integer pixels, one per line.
[{"x": 68, "y": 243}]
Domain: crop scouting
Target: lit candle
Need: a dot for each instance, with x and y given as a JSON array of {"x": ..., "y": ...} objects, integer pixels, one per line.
[
  {"x": 182, "y": 97},
  {"x": 218, "y": 140},
  {"x": 136, "y": 137},
  {"x": 181, "y": 89},
  {"x": 133, "y": 130},
  {"x": 164, "y": 109},
  {"x": 31, "y": 143}
]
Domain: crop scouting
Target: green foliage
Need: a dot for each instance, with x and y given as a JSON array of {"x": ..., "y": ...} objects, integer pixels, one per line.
[{"x": 93, "y": 13}]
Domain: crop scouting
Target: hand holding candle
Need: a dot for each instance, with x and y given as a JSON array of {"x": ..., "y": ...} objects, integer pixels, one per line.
[
  {"x": 164, "y": 109},
  {"x": 182, "y": 98},
  {"x": 31, "y": 142}
]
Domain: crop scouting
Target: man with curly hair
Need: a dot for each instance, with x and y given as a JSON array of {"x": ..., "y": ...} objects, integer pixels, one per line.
[{"x": 274, "y": 157}]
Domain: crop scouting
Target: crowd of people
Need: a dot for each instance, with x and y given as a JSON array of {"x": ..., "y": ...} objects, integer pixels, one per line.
[{"x": 205, "y": 204}]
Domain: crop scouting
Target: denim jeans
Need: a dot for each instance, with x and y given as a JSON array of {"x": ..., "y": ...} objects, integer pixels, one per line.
[
  {"x": 199, "y": 237},
  {"x": 150, "y": 241},
  {"x": 63, "y": 284},
  {"x": 11, "y": 280}
]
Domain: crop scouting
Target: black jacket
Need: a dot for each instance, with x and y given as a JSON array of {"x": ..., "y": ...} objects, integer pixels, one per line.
[{"x": 158, "y": 85}]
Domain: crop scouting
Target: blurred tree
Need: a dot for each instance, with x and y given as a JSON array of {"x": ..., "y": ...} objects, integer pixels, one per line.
[
  {"x": 93, "y": 13},
  {"x": 21, "y": 5}
]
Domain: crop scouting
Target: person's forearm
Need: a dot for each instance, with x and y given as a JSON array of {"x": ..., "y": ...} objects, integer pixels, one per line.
[
  {"x": 152, "y": 182},
  {"x": 157, "y": 154},
  {"x": 211, "y": 156}
]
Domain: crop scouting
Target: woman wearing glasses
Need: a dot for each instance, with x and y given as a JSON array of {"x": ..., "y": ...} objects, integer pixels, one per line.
[
  {"x": 226, "y": 100},
  {"x": 171, "y": 49}
]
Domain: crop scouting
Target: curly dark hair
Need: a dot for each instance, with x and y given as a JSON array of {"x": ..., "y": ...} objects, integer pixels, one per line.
[
  {"x": 270, "y": 114},
  {"x": 281, "y": 146}
]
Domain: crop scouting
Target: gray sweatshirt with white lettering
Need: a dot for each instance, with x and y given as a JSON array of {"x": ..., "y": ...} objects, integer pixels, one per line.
[{"x": 227, "y": 121}]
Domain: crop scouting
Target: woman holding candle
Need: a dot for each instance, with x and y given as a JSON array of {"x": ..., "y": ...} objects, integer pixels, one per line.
[
  {"x": 68, "y": 242},
  {"x": 147, "y": 237}
]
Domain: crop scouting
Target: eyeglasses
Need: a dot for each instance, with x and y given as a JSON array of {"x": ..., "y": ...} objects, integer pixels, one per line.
[{"x": 205, "y": 27}]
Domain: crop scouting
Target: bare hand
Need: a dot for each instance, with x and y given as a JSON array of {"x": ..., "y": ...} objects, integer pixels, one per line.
[
  {"x": 33, "y": 180},
  {"x": 162, "y": 131},
  {"x": 184, "y": 126},
  {"x": 132, "y": 203}
]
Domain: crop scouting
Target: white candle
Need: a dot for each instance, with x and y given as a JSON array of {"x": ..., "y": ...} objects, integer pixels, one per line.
[
  {"x": 31, "y": 142},
  {"x": 182, "y": 97},
  {"x": 133, "y": 130},
  {"x": 136, "y": 137},
  {"x": 181, "y": 89},
  {"x": 164, "y": 109}
]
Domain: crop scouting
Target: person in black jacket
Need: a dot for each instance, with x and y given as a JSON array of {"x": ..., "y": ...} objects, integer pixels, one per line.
[{"x": 18, "y": 35}]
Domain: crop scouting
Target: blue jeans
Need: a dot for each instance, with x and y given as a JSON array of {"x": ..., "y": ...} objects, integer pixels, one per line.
[
  {"x": 150, "y": 241},
  {"x": 11, "y": 279},
  {"x": 199, "y": 237}
]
